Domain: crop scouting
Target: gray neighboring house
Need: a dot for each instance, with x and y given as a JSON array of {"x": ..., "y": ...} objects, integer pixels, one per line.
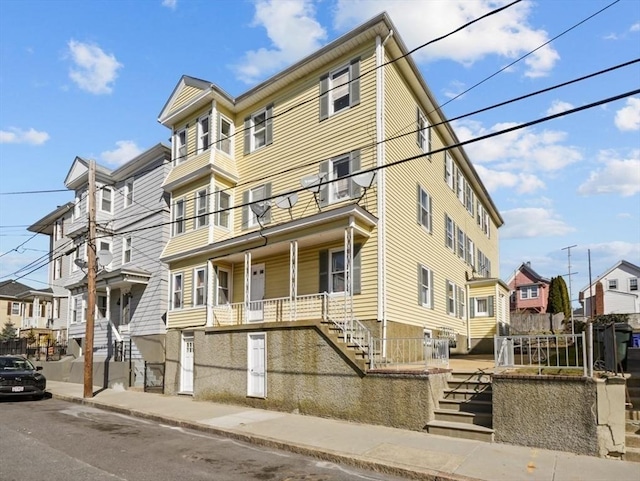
[{"x": 132, "y": 217}]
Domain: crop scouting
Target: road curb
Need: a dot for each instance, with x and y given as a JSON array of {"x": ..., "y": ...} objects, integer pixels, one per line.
[{"x": 318, "y": 453}]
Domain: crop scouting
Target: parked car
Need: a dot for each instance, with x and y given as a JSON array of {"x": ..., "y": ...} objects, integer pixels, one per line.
[{"x": 20, "y": 378}]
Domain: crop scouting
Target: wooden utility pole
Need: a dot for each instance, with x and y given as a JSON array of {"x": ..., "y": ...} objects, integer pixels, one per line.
[{"x": 91, "y": 283}]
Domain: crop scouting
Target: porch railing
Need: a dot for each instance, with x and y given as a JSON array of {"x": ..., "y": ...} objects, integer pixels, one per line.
[
  {"x": 560, "y": 351},
  {"x": 409, "y": 353}
]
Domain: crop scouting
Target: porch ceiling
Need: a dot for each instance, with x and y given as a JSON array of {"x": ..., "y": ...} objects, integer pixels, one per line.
[{"x": 119, "y": 278}]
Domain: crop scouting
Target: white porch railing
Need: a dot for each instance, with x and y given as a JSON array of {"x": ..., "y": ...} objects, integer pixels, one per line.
[
  {"x": 563, "y": 351},
  {"x": 409, "y": 353}
]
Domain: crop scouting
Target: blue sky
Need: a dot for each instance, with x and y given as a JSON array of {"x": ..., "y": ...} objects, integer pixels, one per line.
[{"x": 89, "y": 78}]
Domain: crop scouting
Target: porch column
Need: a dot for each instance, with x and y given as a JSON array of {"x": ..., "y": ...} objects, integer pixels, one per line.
[
  {"x": 247, "y": 285},
  {"x": 35, "y": 318},
  {"x": 348, "y": 273},
  {"x": 108, "y": 311},
  {"x": 211, "y": 300},
  {"x": 293, "y": 279}
]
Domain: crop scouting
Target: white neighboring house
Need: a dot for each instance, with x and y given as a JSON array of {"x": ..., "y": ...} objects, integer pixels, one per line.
[
  {"x": 614, "y": 292},
  {"x": 132, "y": 217}
]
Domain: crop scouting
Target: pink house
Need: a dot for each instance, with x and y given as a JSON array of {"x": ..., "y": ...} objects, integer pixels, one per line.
[{"x": 529, "y": 290}]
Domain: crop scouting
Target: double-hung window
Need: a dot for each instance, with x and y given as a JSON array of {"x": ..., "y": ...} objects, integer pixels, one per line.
[
  {"x": 176, "y": 291},
  {"x": 613, "y": 284},
  {"x": 59, "y": 229},
  {"x": 15, "y": 308},
  {"x": 461, "y": 243},
  {"x": 424, "y": 132},
  {"x": 78, "y": 308},
  {"x": 126, "y": 249},
  {"x": 448, "y": 169},
  {"x": 425, "y": 287},
  {"x": 337, "y": 173},
  {"x": 57, "y": 268},
  {"x": 460, "y": 185},
  {"x": 530, "y": 292},
  {"x": 223, "y": 202},
  {"x": 202, "y": 208},
  {"x": 633, "y": 284},
  {"x": 179, "y": 223},
  {"x": 224, "y": 135},
  {"x": 128, "y": 192},
  {"x": 181, "y": 146},
  {"x": 337, "y": 271},
  {"x": 258, "y": 214},
  {"x": 481, "y": 306},
  {"x": 203, "y": 133},
  {"x": 77, "y": 206},
  {"x": 199, "y": 286},
  {"x": 424, "y": 208},
  {"x": 450, "y": 232},
  {"x": 340, "y": 89},
  {"x": 451, "y": 298},
  {"x": 223, "y": 287},
  {"x": 258, "y": 129},
  {"x": 106, "y": 199}
]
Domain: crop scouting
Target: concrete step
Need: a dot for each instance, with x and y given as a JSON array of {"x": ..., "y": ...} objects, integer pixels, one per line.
[
  {"x": 478, "y": 419},
  {"x": 467, "y": 394},
  {"x": 469, "y": 384},
  {"x": 460, "y": 430},
  {"x": 479, "y": 376},
  {"x": 632, "y": 414},
  {"x": 631, "y": 426},
  {"x": 632, "y": 440},
  {"x": 632, "y": 454},
  {"x": 465, "y": 405}
]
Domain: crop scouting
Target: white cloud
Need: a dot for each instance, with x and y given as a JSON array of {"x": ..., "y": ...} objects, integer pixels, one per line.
[
  {"x": 525, "y": 150},
  {"x": 19, "y": 136},
  {"x": 506, "y": 34},
  {"x": 558, "y": 106},
  {"x": 610, "y": 253},
  {"x": 530, "y": 222},
  {"x": 628, "y": 117},
  {"x": 125, "y": 151},
  {"x": 94, "y": 70},
  {"x": 635, "y": 27},
  {"x": 618, "y": 176},
  {"x": 170, "y": 4},
  {"x": 293, "y": 32},
  {"x": 522, "y": 183}
]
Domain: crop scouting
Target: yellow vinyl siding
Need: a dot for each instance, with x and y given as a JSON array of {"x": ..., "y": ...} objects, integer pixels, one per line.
[
  {"x": 188, "y": 316},
  {"x": 301, "y": 142},
  {"x": 186, "y": 95},
  {"x": 192, "y": 164}
]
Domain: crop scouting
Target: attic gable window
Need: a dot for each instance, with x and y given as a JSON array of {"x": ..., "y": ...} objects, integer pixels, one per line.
[{"x": 340, "y": 89}]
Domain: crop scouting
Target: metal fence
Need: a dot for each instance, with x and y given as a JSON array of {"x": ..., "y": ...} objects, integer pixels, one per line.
[
  {"x": 49, "y": 351},
  {"x": 560, "y": 351},
  {"x": 410, "y": 353}
]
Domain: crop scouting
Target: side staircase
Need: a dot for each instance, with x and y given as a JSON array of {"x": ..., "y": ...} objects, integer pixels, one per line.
[
  {"x": 632, "y": 438},
  {"x": 465, "y": 409}
]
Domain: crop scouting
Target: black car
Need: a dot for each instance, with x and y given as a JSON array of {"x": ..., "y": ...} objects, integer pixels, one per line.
[{"x": 20, "y": 378}]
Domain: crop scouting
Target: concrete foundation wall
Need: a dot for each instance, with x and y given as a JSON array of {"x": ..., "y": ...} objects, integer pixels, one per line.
[
  {"x": 105, "y": 374},
  {"x": 305, "y": 373},
  {"x": 575, "y": 414}
]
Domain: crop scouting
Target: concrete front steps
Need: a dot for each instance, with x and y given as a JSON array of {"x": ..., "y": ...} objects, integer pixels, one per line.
[{"x": 465, "y": 409}]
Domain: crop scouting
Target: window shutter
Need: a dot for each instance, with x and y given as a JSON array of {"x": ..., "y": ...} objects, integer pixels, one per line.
[
  {"x": 324, "y": 271},
  {"x": 430, "y": 211},
  {"x": 324, "y": 97},
  {"x": 472, "y": 307},
  {"x": 432, "y": 289},
  {"x": 354, "y": 86},
  {"x": 491, "y": 306},
  {"x": 419, "y": 203},
  {"x": 245, "y": 209},
  {"x": 267, "y": 193},
  {"x": 354, "y": 167},
  {"x": 269, "y": 124},
  {"x": 247, "y": 135},
  {"x": 357, "y": 268},
  {"x": 324, "y": 190},
  {"x": 421, "y": 299},
  {"x": 9, "y": 308}
]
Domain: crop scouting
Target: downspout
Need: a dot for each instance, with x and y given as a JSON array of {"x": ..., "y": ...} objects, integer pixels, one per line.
[
  {"x": 468, "y": 316},
  {"x": 380, "y": 188}
]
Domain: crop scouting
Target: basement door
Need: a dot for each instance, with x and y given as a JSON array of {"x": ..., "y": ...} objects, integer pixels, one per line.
[
  {"x": 256, "y": 311},
  {"x": 257, "y": 375},
  {"x": 186, "y": 363}
]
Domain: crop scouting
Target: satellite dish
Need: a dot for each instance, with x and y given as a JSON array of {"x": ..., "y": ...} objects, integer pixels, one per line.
[
  {"x": 364, "y": 179},
  {"x": 287, "y": 201},
  {"x": 104, "y": 257},
  {"x": 259, "y": 208},
  {"x": 312, "y": 182},
  {"x": 81, "y": 263}
]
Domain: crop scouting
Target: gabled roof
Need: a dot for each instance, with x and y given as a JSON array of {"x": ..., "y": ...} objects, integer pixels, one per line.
[
  {"x": 619, "y": 264},
  {"x": 45, "y": 225},
  {"x": 525, "y": 268},
  {"x": 78, "y": 174},
  {"x": 11, "y": 288}
]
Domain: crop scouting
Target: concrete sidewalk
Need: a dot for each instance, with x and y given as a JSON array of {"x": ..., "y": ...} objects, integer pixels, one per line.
[{"x": 415, "y": 455}]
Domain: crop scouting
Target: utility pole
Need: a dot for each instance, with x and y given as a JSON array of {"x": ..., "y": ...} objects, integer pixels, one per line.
[
  {"x": 91, "y": 283},
  {"x": 569, "y": 273}
]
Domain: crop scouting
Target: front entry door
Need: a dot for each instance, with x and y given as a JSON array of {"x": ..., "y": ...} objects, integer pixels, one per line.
[
  {"x": 186, "y": 371},
  {"x": 256, "y": 377},
  {"x": 256, "y": 312}
]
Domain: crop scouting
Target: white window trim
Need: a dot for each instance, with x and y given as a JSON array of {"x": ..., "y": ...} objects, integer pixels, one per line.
[
  {"x": 612, "y": 284},
  {"x": 129, "y": 191},
  {"x": 425, "y": 209},
  {"x": 331, "y": 272},
  {"x": 174, "y": 276},
  {"x": 424, "y": 132},
  {"x": 201, "y": 218},
  {"x": 14, "y": 304},
  {"x": 219, "y": 214},
  {"x": 477, "y": 311},
  {"x": 178, "y": 220},
  {"x": 252, "y": 220},
  {"x": 57, "y": 268},
  {"x": 195, "y": 287},
  {"x": 426, "y": 291},
  {"x": 181, "y": 152},
  {"x": 125, "y": 250},
  {"x": 332, "y": 90},
  {"x": 452, "y": 286},
  {"x": 230, "y": 137},
  {"x": 335, "y": 181},
  {"x": 104, "y": 189},
  {"x": 633, "y": 284},
  {"x": 228, "y": 288},
  {"x": 200, "y": 140},
  {"x": 448, "y": 169},
  {"x": 450, "y": 240},
  {"x": 262, "y": 128}
]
